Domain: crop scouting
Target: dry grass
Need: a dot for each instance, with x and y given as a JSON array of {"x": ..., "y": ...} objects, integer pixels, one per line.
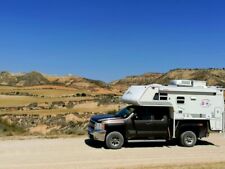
[
  {"x": 86, "y": 107},
  {"x": 6, "y": 101},
  {"x": 219, "y": 165},
  {"x": 49, "y": 94},
  {"x": 48, "y": 91}
]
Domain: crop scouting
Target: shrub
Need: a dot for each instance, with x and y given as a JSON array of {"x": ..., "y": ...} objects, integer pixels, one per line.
[
  {"x": 83, "y": 94},
  {"x": 70, "y": 105},
  {"x": 8, "y": 129},
  {"x": 78, "y": 95}
]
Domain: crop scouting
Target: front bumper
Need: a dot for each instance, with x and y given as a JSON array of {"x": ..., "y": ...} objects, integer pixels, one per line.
[{"x": 96, "y": 134}]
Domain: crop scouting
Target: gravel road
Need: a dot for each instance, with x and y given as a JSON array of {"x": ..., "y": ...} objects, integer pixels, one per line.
[{"x": 72, "y": 153}]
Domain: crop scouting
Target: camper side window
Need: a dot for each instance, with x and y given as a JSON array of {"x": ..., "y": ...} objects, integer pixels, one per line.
[
  {"x": 163, "y": 96},
  {"x": 160, "y": 96},
  {"x": 180, "y": 100}
]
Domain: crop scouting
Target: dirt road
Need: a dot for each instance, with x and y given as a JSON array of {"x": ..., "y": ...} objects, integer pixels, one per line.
[{"x": 72, "y": 153}]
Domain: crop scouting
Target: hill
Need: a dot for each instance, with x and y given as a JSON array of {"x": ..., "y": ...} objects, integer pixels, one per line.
[
  {"x": 144, "y": 79},
  {"x": 38, "y": 79},
  {"x": 214, "y": 77},
  {"x": 27, "y": 79},
  {"x": 81, "y": 83}
]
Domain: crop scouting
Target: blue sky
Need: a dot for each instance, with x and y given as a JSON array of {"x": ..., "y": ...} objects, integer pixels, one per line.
[{"x": 110, "y": 39}]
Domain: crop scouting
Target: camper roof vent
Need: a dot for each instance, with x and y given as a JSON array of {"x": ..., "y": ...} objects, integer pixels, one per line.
[
  {"x": 182, "y": 83},
  {"x": 197, "y": 83},
  {"x": 188, "y": 83}
]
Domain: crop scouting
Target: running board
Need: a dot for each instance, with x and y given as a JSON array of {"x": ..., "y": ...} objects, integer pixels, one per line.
[{"x": 146, "y": 141}]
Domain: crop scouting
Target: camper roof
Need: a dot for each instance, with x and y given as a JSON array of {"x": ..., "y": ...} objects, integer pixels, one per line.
[{"x": 136, "y": 93}]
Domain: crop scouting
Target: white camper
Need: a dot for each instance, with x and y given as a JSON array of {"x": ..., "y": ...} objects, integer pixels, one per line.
[{"x": 190, "y": 101}]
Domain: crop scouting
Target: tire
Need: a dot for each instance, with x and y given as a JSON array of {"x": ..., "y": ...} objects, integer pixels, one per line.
[
  {"x": 188, "y": 139},
  {"x": 114, "y": 140}
]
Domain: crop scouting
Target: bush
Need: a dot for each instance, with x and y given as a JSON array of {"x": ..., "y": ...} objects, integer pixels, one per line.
[
  {"x": 8, "y": 129},
  {"x": 78, "y": 95},
  {"x": 107, "y": 99},
  {"x": 70, "y": 105},
  {"x": 83, "y": 94}
]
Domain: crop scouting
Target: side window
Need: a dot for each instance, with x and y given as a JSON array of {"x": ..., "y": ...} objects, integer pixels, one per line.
[
  {"x": 156, "y": 97},
  {"x": 180, "y": 100},
  {"x": 160, "y": 96},
  {"x": 163, "y": 96},
  {"x": 142, "y": 114},
  {"x": 160, "y": 117},
  {"x": 151, "y": 113}
]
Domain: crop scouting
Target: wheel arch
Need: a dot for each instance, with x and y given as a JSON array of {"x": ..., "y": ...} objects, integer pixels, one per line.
[
  {"x": 116, "y": 127},
  {"x": 200, "y": 128}
]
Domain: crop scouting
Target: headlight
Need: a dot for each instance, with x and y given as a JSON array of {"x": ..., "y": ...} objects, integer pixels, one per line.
[{"x": 99, "y": 126}]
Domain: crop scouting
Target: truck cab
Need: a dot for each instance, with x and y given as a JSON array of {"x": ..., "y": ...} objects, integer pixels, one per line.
[{"x": 182, "y": 113}]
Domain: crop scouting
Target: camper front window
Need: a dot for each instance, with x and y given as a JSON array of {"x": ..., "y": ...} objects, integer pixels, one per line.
[{"x": 156, "y": 97}]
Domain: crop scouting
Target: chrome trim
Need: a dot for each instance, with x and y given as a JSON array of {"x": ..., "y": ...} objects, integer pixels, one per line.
[
  {"x": 97, "y": 134},
  {"x": 105, "y": 119}
]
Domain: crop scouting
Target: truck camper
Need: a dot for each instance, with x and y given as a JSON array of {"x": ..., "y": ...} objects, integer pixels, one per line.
[{"x": 183, "y": 110}]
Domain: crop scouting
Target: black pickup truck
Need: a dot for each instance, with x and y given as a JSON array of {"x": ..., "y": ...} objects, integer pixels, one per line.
[{"x": 143, "y": 123}]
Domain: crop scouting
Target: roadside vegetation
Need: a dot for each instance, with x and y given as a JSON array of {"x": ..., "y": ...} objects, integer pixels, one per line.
[
  {"x": 10, "y": 129},
  {"x": 50, "y": 110},
  {"x": 219, "y": 165}
]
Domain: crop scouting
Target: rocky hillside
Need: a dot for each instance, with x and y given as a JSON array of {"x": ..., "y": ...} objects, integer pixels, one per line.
[
  {"x": 36, "y": 79},
  {"x": 27, "y": 79},
  {"x": 81, "y": 83},
  {"x": 212, "y": 76},
  {"x": 147, "y": 78}
]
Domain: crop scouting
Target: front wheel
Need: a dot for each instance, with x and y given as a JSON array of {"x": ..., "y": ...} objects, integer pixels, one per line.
[
  {"x": 114, "y": 140},
  {"x": 188, "y": 139}
]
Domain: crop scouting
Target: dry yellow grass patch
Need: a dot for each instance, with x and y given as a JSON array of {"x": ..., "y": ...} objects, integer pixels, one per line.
[
  {"x": 7, "y": 101},
  {"x": 46, "y": 90},
  {"x": 218, "y": 165},
  {"x": 85, "y": 107}
]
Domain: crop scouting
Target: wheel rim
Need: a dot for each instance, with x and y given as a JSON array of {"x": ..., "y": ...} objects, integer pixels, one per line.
[
  {"x": 189, "y": 139},
  {"x": 115, "y": 141}
]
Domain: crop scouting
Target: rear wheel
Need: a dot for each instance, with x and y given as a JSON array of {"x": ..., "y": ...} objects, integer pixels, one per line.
[
  {"x": 188, "y": 139},
  {"x": 114, "y": 140}
]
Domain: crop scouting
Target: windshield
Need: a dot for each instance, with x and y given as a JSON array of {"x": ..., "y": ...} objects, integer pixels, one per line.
[{"x": 124, "y": 113}]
